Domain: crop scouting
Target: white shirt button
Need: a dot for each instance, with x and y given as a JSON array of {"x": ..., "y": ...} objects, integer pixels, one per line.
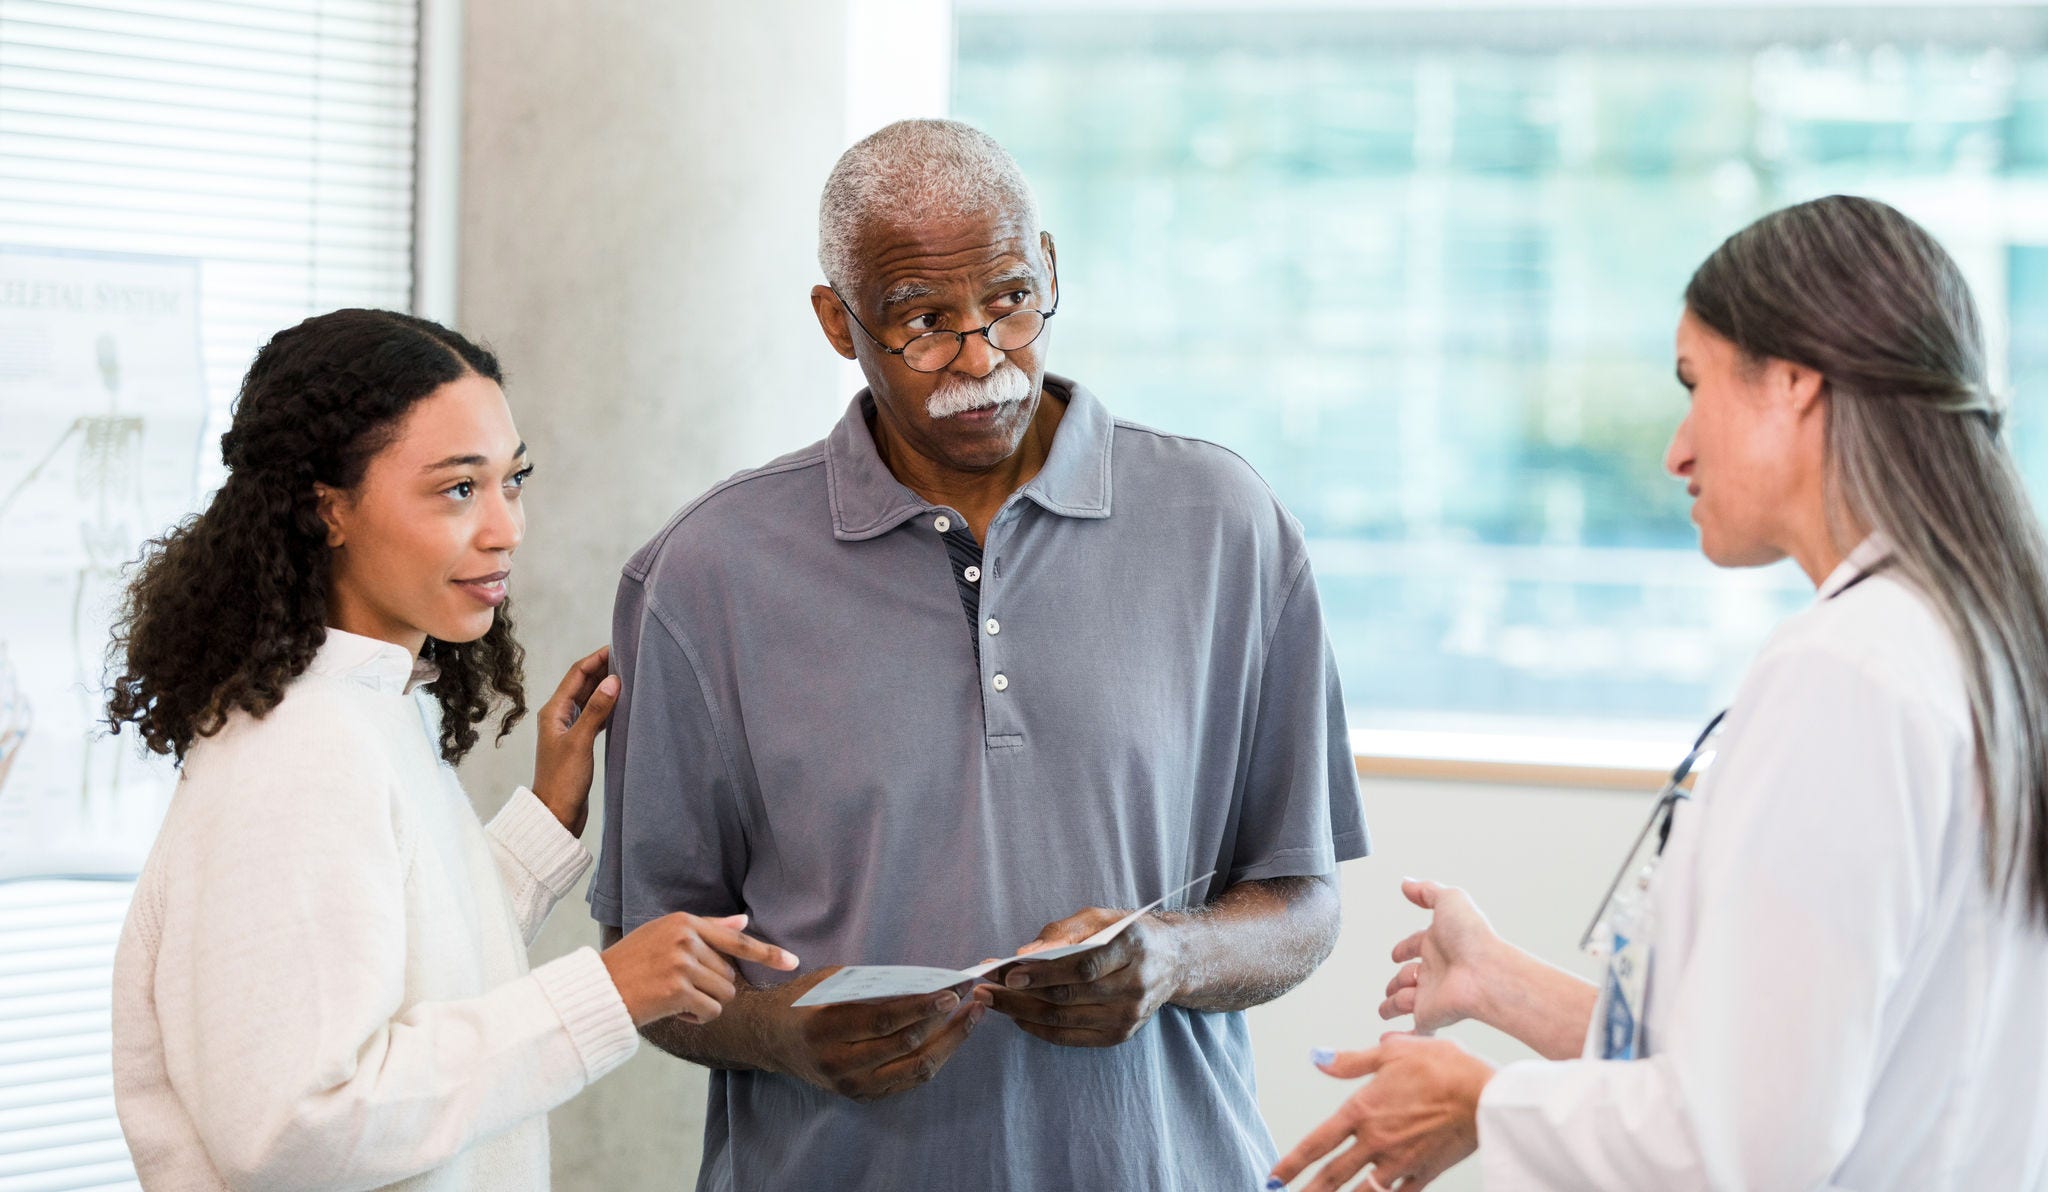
[
  {"x": 994, "y": 626},
  {"x": 1000, "y": 682},
  {"x": 942, "y": 524},
  {"x": 973, "y": 574}
]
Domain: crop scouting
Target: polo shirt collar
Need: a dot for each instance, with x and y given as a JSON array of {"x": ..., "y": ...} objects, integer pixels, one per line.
[
  {"x": 368, "y": 662},
  {"x": 868, "y": 501}
]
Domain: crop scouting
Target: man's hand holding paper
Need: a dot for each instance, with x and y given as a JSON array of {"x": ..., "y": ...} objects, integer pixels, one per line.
[
  {"x": 1093, "y": 978},
  {"x": 868, "y": 1050},
  {"x": 1090, "y": 996}
]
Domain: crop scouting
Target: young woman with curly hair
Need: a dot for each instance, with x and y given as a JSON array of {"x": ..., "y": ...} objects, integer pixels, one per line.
[{"x": 323, "y": 982}]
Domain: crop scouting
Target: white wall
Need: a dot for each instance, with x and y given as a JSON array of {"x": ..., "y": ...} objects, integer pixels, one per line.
[
  {"x": 639, "y": 196},
  {"x": 639, "y": 181}
]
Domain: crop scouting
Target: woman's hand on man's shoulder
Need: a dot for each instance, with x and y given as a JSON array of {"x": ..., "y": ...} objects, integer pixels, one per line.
[{"x": 565, "y": 756}]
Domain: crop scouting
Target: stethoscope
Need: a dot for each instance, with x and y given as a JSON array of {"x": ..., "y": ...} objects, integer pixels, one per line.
[
  {"x": 1669, "y": 796},
  {"x": 1674, "y": 792}
]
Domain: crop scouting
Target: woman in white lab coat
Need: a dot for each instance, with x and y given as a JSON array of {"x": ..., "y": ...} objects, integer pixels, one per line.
[{"x": 1828, "y": 969}]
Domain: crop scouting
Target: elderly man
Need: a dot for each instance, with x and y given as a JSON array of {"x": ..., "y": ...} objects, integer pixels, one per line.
[{"x": 983, "y": 666}]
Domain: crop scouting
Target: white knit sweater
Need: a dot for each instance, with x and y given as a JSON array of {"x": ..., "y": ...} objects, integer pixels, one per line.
[{"x": 323, "y": 982}]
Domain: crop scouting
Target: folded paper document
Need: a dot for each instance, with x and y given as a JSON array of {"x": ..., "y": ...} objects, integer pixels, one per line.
[{"x": 860, "y": 983}]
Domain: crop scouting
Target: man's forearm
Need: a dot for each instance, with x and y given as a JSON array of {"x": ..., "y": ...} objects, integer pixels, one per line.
[
  {"x": 738, "y": 1039},
  {"x": 1256, "y": 942}
]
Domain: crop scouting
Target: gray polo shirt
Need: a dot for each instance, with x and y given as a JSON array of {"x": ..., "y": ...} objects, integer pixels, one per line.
[{"x": 807, "y": 734}]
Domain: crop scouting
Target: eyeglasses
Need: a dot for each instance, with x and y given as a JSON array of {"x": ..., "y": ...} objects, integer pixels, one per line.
[
  {"x": 1636, "y": 863},
  {"x": 934, "y": 350}
]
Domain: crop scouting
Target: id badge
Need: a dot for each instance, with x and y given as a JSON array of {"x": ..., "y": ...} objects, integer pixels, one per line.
[
  {"x": 1622, "y": 934},
  {"x": 1624, "y": 998},
  {"x": 1629, "y": 932}
]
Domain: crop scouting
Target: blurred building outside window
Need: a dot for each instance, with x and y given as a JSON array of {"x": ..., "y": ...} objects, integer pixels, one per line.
[{"x": 1422, "y": 268}]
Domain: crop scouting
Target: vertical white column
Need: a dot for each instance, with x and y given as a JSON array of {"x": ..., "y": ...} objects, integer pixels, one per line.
[
  {"x": 437, "y": 161},
  {"x": 899, "y": 66},
  {"x": 899, "y": 62}
]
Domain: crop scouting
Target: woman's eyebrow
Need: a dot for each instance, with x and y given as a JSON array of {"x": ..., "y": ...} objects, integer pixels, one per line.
[{"x": 468, "y": 461}]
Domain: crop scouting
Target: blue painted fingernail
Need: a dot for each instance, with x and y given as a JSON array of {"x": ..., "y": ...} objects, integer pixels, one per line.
[
  {"x": 1321, "y": 1056},
  {"x": 1274, "y": 1184}
]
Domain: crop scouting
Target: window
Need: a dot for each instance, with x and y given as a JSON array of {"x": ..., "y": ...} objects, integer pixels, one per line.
[
  {"x": 57, "y": 1124},
  {"x": 222, "y": 169},
  {"x": 1422, "y": 269},
  {"x": 244, "y": 165},
  {"x": 272, "y": 143}
]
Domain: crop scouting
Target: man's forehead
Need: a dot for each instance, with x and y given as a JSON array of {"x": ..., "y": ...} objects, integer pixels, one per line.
[{"x": 933, "y": 252}]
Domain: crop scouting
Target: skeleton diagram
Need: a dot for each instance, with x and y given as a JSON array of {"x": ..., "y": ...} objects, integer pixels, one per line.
[
  {"x": 108, "y": 484},
  {"x": 15, "y": 717}
]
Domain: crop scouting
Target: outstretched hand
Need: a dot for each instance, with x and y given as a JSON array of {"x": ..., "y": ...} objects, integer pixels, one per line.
[
  {"x": 1415, "y": 1120},
  {"x": 1445, "y": 967}
]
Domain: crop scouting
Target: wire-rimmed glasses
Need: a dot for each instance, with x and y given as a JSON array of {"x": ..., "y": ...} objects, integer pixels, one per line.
[{"x": 934, "y": 350}]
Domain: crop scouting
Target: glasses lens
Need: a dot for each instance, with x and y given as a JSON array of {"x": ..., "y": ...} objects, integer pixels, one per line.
[
  {"x": 932, "y": 351},
  {"x": 1016, "y": 330}
]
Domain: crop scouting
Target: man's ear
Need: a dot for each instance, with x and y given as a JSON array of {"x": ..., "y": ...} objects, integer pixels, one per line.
[
  {"x": 1052, "y": 263},
  {"x": 832, "y": 320},
  {"x": 333, "y": 504}
]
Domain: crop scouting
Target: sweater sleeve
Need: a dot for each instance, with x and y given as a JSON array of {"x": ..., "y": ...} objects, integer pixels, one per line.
[
  {"x": 280, "y": 981},
  {"x": 538, "y": 860}
]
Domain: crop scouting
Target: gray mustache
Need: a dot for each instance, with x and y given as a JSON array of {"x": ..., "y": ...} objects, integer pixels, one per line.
[{"x": 1007, "y": 385}]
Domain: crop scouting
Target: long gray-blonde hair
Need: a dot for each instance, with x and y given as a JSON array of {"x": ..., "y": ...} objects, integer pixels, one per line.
[{"x": 1854, "y": 290}]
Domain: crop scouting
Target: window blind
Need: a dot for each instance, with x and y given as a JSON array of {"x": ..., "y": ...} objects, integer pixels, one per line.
[
  {"x": 57, "y": 1124},
  {"x": 271, "y": 141}
]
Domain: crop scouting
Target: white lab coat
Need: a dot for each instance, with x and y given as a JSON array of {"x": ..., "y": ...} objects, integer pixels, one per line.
[{"x": 1837, "y": 1000}]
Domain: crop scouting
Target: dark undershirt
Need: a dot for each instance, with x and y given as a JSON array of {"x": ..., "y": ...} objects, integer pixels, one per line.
[{"x": 965, "y": 552}]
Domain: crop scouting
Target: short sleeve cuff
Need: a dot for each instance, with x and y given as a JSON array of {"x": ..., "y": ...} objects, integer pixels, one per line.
[
  {"x": 604, "y": 909},
  {"x": 534, "y": 837},
  {"x": 581, "y": 990},
  {"x": 1293, "y": 862}
]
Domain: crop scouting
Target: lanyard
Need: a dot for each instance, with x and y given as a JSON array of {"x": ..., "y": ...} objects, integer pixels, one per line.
[
  {"x": 1668, "y": 797},
  {"x": 1673, "y": 792}
]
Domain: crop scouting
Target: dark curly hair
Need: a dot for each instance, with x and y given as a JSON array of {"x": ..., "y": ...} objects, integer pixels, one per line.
[{"x": 226, "y": 609}]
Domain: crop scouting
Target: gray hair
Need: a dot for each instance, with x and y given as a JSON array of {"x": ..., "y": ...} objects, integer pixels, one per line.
[
  {"x": 915, "y": 168},
  {"x": 1858, "y": 292}
]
